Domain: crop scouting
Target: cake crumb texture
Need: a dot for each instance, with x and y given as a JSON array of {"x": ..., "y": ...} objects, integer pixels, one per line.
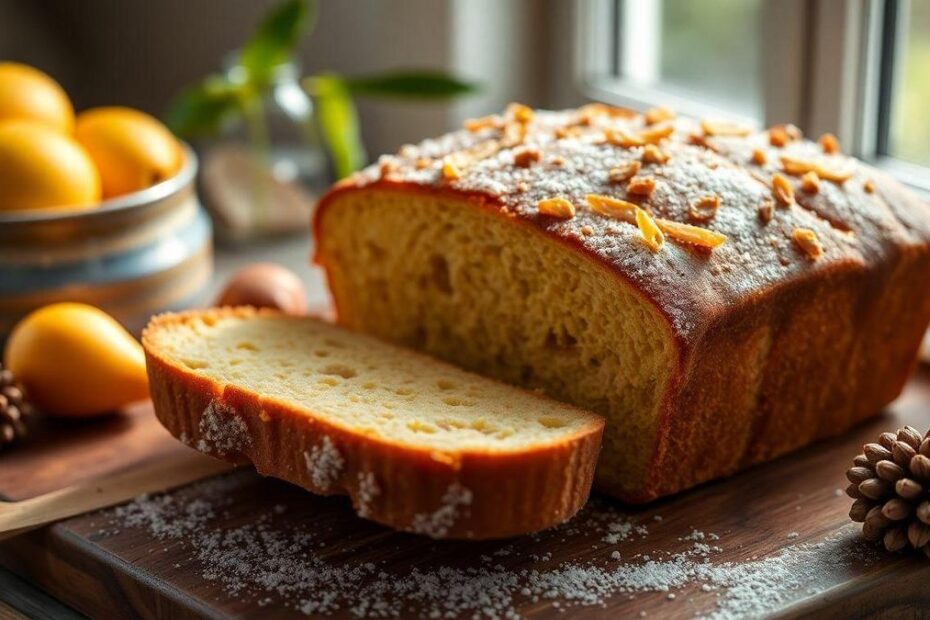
[{"x": 418, "y": 444}]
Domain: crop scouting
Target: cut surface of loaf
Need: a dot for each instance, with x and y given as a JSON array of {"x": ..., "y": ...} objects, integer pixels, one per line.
[
  {"x": 721, "y": 296},
  {"x": 418, "y": 444}
]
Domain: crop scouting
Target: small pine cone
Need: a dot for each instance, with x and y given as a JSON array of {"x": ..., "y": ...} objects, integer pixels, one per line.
[
  {"x": 15, "y": 410},
  {"x": 890, "y": 483}
]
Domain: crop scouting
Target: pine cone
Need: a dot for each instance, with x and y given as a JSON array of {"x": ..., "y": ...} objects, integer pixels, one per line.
[
  {"x": 15, "y": 410},
  {"x": 890, "y": 482}
]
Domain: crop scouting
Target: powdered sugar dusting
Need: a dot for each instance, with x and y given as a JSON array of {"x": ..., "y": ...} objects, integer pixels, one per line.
[
  {"x": 263, "y": 557},
  {"x": 222, "y": 431},
  {"x": 436, "y": 524},
  {"x": 324, "y": 463},
  {"x": 368, "y": 491}
]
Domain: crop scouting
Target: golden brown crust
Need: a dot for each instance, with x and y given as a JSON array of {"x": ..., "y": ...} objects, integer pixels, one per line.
[
  {"x": 777, "y": 347},
  {"x": 463, "y": 495}
]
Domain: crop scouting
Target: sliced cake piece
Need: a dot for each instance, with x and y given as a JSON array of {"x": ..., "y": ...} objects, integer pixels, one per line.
[{"x": 418, "y": 444}]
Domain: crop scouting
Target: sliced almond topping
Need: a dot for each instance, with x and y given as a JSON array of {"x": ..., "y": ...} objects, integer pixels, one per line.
[
  {"x": 582, "y": 120},
  {"x": 423, "y": 162},
  {"x": 835, "y": 175},
  {"x": 624, "y": 172},
  {"x": 587, "y": 231},
  {"x": 567, "y": 132},
  {"x": 759, "y": 157},
  {"x": 520, "y": 113},
  {"x": 722, "y": 128},
  {"x": 658, "y": 115},
  {"x": 654, "y": 155},
  {"x": 525, "y": 157},
  {"x": 589, "y": 112},
  {"x": 656, "y": 133},
  {"x": 615, "y": 112},
  {"x": 386, "y": 166},
  {"x": 485, "y": 122},
  {"x": 766, "y": 211},
  {"x": 778, "y": 136},
  {"x": 623, "y": 138},
  {"x": 781, "y": 189},
  {"x": 829, "y": 144},
  {"x": 869, "y": 186},
  {"x": 694, "y": 235},
  {"x": 450, "y": 171},
  {"x": 796, "y": 166},
  {"x": 612, "y": 207},
  {"x": 593, "y": 109},
  {"x": 641, "y": 186},
  {"x": 698, "y": 139},
  {"x": 810, "y": 182},
  {"x": 807, "y": 240},
  {"x": 781, "y": 135},
  {"x": 557, "y": 207},
  {"x": 652, "y": 234},
  {"x": 705, "y": 208}
]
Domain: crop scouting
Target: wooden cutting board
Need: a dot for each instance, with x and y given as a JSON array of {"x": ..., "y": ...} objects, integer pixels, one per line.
[{"x": 108, "y": 565}]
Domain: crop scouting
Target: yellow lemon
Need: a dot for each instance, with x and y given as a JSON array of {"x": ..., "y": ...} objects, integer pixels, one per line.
[
  {"x": 40, "y": 168},
  {"x": 76, "y": 360},
  {"x": 131, "y": 149},
  {"x": 29, "y": 94}
]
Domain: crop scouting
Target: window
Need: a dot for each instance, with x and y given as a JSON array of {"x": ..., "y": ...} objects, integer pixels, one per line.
[
  {"x": 858, "y": 69},
  {"x": 701, "y": 50},
  {"x": 907, "y": 83}
]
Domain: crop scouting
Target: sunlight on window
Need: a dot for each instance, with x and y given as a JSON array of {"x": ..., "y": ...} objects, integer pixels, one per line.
[
  {"x": 910, "y": 114},
  {"x": 703, "y": 49}
]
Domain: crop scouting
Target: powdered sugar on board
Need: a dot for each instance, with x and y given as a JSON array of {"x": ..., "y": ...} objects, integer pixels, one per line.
[{"x": 305, "y": 556}]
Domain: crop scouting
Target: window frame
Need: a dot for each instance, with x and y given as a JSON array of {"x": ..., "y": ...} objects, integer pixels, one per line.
[{"x": 830, "y": 63}]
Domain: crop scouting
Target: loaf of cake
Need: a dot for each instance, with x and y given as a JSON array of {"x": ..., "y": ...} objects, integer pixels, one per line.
[
  {"x": 721, "y": 296},
  {"x": 417, "y": 444}
]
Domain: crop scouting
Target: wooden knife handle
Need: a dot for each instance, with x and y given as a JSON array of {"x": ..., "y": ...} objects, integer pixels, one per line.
[{"x": 160, "y": 475}]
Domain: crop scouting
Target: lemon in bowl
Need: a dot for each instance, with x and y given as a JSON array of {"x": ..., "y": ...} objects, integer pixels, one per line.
[
  {"x": 101, "y": 209},
  {"x": 44, "y": 169},
  {"x": 29, "y": 94},
  {"x": 131, "y": 149}
]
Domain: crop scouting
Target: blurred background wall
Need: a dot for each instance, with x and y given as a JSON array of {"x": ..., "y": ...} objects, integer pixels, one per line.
[{"x": 141, "y": 53}]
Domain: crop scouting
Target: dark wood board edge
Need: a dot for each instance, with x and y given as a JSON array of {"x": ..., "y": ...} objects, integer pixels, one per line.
[
  {"x": 28, "y": 601},
  {"x": 93, "y": 581},
  {"x": 899, "y": 590}
]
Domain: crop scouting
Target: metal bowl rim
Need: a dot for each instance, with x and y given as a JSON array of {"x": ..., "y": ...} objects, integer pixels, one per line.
[{"x": 147, "y": 196}]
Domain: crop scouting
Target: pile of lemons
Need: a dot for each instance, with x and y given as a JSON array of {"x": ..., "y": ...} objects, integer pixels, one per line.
[{"x": 52, "y": 159}]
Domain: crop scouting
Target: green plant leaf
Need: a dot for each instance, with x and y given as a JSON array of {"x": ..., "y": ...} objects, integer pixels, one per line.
[
  {"x": 202, "y": 109},
  {"x": 338, "y": 120},
  {"x": 410, "y": 85},
  {"x": 274, "y": 41}
]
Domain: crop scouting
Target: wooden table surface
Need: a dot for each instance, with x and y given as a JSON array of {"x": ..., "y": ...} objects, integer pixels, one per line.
[{"x": 105, "y": 564}]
